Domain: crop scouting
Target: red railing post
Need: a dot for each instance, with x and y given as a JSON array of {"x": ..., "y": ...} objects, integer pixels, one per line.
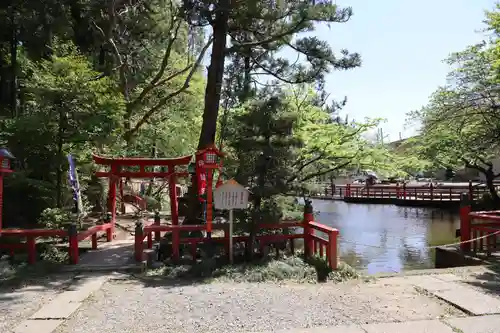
[
  {"x": 73, "y": 244},
  {"x": 31, "y": 244},
  {"x": 139, "y": 241},
  {"x": 157, "y": 221},
  {"x": 431, "y": 188},
  {"x": 110, "y": 230},
  {"x": 308, "y": 217},
  {"x": 465, "y": 220},
  {"x": 94, "y": 241},
  {"x": 332, "y": 249},
  {"x": 404, "y": 191},
  {"x": 149, "y": 240},
  {"x": 348, "y": 190},
  {"x": 397, "y": 191},
  {"x": 172, "y": 192}
]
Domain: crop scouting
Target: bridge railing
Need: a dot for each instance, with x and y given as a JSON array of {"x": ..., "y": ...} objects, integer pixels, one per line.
[{"x": 403, "y": 191}]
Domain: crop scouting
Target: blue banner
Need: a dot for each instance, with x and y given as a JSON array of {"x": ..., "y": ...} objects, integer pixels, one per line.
[{"x": 75, "y": 185}]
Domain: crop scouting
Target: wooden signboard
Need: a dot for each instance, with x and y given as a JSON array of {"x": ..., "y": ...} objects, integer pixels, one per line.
[{"x": 229, "y": 196}]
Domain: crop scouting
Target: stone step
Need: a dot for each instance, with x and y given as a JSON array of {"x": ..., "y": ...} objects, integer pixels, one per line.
[{"x": 468, "y": 299}]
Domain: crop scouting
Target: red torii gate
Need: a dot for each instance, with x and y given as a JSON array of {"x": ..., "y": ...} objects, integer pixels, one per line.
[{"x": 116, "y": 172}]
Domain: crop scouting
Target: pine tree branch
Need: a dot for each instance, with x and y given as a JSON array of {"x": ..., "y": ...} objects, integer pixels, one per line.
[
  {"x": 155, "y": 82},
  {"x": 323, "y": 172},
  {"x": 167, "y": 98},
  {"x": 295, "y": 29}
]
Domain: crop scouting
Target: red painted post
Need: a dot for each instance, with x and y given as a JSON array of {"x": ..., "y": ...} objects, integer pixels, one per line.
[
  {"x": 94, "y": 241},
  {"x": 332, "y": 249},
  {"x": 150, "y": 240},
  {"x": 404, "y": 191},
  {"x": 122, "y": 203},
  {"x": 431, "y": 188},
  {"x": 308, "y": 217},
  {"x": 1, "y": 199},
  {"x": 31, "y": 244},
  {"x": 465, "y": 221},
  {"x": 157, "y": 220},
  {"x": 172, "y": 192},
  {"x": 348, "y": 190},
  {"x": 209, "y": 202},
  {"x": 397, "y": 191},
  {"x": 139, "y": 242},
  {"x": 73, "y": 244},
  {"x": 112, "y": 201}
]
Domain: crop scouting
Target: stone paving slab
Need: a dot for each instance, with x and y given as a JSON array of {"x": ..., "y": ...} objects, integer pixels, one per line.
[
  {"x": 469, "y": 300},
  {"x": 431, "y": 283},
  {"x": 448, "y": 277},
  {"x": 335, "y": 329},
  {"x": 115, "y": 253},
  {"x": 423, "y": 326},
  {"x": 69, "y": 301},
  {"x": 79, "y": 293},
  {"x": 482, "y": 324},
  {"x": 56, "y": 309},
  {"x": 37, "y": 326}
]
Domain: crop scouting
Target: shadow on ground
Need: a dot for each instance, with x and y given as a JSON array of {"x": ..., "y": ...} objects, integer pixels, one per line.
[{"x": 488, "y": 280}]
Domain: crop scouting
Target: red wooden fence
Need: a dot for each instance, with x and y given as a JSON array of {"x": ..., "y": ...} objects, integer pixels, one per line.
[
  {"x": 313, "y": 244},
  {"x": 479, "y": 231},
  {"x": 72, "y": 235}
]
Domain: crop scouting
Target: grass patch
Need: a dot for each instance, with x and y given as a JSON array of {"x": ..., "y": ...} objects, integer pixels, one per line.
[
  {"x": 20, "y": 274},
  {"x": 268, "y": 269},
  {"x": 16, "y": 271}
]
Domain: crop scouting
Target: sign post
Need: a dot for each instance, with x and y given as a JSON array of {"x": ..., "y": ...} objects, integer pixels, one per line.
[{"x": 230, "y": 196}]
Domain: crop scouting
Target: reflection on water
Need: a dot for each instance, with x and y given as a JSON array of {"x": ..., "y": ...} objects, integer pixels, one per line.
[{"x": 387, "y": 238}]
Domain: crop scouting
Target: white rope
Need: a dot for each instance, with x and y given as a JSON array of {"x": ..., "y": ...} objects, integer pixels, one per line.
[{"x": 426, "y": 247}]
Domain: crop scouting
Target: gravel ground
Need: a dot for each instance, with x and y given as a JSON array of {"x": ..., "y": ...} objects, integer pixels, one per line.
[
  {"x": 17, "y": 304},
  {"x": 130, "y": 306}
]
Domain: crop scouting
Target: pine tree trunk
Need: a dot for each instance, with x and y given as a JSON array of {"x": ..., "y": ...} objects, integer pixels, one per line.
[
  {"x": 214, "y": 76},
  {"x": 212, "y": 99},
  {"x": 490, "y": 177}
]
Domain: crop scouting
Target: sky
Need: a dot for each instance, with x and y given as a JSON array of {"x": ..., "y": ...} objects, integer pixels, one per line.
[{"x": 402, "y": 44}]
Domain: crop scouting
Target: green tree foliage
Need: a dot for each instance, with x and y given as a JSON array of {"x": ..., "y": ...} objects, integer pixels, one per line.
[
  {"x": 460, "y": 124},
  {"x": 117, "y": 78},
  {"x": 280, "y": 141},
  {"x": 65, "y": 110}
]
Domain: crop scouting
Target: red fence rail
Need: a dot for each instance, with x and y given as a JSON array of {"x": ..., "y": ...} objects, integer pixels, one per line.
[
  {"x": 313, "y": 244},
  {"x": 479, "y": 231},
  {"x": 72, "y": 235}
]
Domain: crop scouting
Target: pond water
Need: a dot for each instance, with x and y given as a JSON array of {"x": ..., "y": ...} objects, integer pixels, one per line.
[{"x": 387, "y": 238}]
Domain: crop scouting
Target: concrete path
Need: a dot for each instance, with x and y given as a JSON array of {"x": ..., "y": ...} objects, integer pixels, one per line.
[
  {"x": 416, "y": 304},
  {"x": 483, "y": 324},
  {"x": 114, "y": 256},
  {"x": 119, "y": 303},
  {"x": 53, "y": 313},
  {"x": 449, "y": 288}
]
